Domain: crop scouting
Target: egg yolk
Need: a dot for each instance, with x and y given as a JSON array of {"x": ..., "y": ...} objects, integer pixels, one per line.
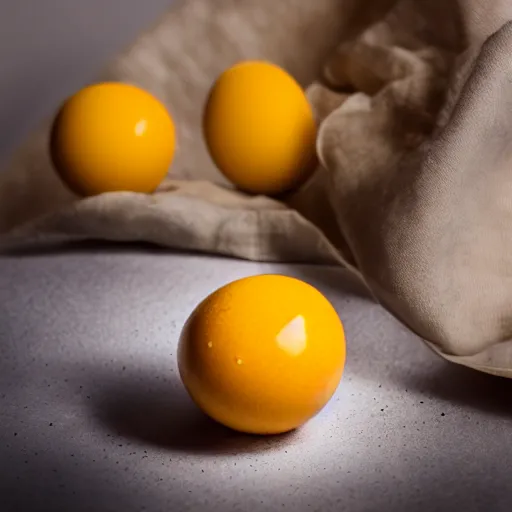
[
  {"x": 262, "y": 354},
  {"x": 112, "y": 137},
  {"x": 260, "y": 129}
]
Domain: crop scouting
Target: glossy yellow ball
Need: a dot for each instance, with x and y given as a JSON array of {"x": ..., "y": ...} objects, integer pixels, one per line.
[
  {"x": 112, "y": 137},
  {"x": 262, "y": 354},
  {"x": 259, "y": 128}
]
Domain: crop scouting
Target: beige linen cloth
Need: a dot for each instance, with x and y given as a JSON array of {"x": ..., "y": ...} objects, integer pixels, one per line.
[{"x": 414, "y": 187}]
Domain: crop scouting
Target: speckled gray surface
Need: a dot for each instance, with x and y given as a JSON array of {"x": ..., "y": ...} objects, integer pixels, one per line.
[{"x": 95, "y": 418}]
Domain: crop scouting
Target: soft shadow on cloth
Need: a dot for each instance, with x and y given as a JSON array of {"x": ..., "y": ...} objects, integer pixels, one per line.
[{"x": 412, "y": 189}]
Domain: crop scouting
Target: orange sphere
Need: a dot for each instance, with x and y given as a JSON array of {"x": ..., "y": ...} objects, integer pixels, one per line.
[
  {"x": 262, "y": 354},
  {"x": 260, "y": 129},
  {"x": 112, "y": 137}
]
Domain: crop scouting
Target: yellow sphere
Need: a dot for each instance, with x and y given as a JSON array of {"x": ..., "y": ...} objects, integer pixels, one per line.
[
  {"x": 262, "y": 354},
  {"x": 259, "y": 128},
  {"x": 112, "y": 137}
]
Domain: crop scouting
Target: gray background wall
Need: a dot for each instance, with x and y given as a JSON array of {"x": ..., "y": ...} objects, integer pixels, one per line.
[{"x": 49, "y": 48}]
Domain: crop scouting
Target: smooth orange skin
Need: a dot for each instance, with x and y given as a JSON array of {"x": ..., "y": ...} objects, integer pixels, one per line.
[
  {"x": 260, "y": 129},
  {"x": 112, "y": 137},
  {"x": 239, "y": 368}
]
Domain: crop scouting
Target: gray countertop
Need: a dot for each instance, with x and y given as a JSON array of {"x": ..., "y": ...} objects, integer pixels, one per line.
[{"x": 95, "y": 417}]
